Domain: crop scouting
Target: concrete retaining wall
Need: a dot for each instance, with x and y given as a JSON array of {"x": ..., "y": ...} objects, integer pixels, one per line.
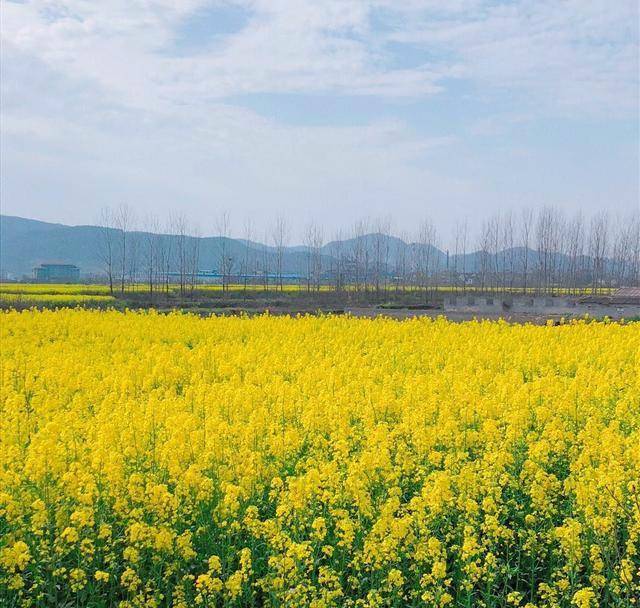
[{"x": 536, "y": 305}]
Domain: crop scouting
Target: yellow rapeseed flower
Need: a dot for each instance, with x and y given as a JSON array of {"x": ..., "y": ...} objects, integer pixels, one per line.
[{"x": 167, "y": 459}]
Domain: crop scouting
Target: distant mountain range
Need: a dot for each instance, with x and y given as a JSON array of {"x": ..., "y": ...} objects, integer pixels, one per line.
[{"x": 26, "y": 243}]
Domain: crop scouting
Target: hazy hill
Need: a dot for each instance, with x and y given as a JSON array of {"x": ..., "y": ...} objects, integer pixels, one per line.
[{"x": 26, "y": 243}]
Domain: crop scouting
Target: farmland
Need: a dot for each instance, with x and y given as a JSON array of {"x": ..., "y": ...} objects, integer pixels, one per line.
[
  {"x": 298, "y": 298},
  {"x": 173, "y": 460},
  {"x": 26, "y": 295}
]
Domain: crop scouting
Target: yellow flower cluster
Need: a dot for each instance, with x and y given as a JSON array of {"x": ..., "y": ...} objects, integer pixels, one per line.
[
  {"x": 42, "y": 294},
  {"x": 53, "y": 299},
  {"x": 170, "y": 460},
  {"x": 54, "y": 288},
  {"x": 88, "y": 289}
]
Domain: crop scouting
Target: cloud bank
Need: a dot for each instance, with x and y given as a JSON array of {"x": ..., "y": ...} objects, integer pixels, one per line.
[{"x": 466, "y": 104}]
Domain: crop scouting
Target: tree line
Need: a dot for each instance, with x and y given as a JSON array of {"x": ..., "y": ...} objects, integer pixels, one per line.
[{"x": 541, "y": 250}]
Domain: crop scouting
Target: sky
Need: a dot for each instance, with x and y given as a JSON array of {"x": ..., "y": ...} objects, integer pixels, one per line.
[{"x": 318, "y": 110}]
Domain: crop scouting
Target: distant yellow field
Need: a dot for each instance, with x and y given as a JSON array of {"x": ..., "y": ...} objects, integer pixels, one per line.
[
  {"x": 93, "y": 289},
  {"x": 69, "y": 299},
  {"x": 170, "y": 460},
  {"x": 53, "y": 289}
]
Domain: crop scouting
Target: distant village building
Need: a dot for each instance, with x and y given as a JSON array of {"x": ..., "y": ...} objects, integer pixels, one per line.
[{"x": 57, "y": 273}]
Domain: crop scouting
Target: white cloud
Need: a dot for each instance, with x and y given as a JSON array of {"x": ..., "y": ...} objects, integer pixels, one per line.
[
  {"x": 571, "y": 54},
  {"x": 91, "y": 151},
  {"x": 286, "y": 47},
  {"x": 98, "y": 107},
  {"x": 575, "y": 57}
]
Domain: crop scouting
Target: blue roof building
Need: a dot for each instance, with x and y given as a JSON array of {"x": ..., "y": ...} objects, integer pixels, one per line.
[{"x": 57, "y": 273}]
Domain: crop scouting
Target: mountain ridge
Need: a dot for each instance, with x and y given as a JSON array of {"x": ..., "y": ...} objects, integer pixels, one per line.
[{"x": 26, "y": 243}]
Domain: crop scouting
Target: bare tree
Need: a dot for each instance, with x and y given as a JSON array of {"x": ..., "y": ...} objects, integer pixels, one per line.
[
  {"x": 280, "y": 237},
  {"x": 247, "y": 262},
  {"x": 558, "y": 245},
  {"x": 493, "y": 226},
  {"x": 106, "y": 244},
  {"x": 150, "y": 251},
  {"x": 225, "y": 263},
  {"x": 509, "y": 248},
  {"x": 598, "y": 247},
  {"x": 179, "y": 223},
  {"x": 338, "y": 261},
  {"x": 380, "y": 252},
  {"x": 193, "y": 258},
  {"x": 266, "y": 262},
  {"x": 165, "y": 255},
  {"x": 453, "y": 263},
  {"x": 574, "y": 252},
  {"x": 355, "y": 255},
  {"x": 484, "y": 253},
  {"x": 401, "y": 257},
  {"x": 308, "y": 243},
  {"x": 570, "y": 253},
  {"x": 317, "y": 241},
  {"x": 135, "y": 246},
  {"x": 625, "y": 251},
  {"x": 426, "y": 255},
  {"x": 123, "y": 219},
  {"x": 527, "y": 218},
  {"x": 634, "y": 272},
  {"x": 545, "y": 248},
  {"x": 464, "y": 235},
  {"x": 360, "y": 254}
]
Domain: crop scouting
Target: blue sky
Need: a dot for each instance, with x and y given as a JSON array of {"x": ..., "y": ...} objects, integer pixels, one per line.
[{"x": 325, "y": 110}]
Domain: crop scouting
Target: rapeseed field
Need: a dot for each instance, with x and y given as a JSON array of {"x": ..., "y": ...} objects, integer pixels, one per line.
[
  {"x": 13, "y": 295},
  {"x": 170, "y": 460}
]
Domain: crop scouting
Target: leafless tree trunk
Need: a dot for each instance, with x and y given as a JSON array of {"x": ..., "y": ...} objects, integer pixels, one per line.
[
  {"x": 426, "y": 242},
  {"x": 308, "y": 243},
  {"x": 123, "y": 218},
  {"x": 575, "y": 252},
  {"x": 484, "y": 251},
  {"x": 193, "y": 258},
  {"x": 454, "y": 272},
  {"x": 266, "y": 263},
  {"x": 150, "y": 247},
  {"x": 494, "y": 248},
  {"x": 634, "y": 272},
  {"x": 179, "y": 223},
  {"x": 557, "y": 247},
  {"x": 598, "y": 246},
  {"x": 248, "y": 249},
  {"x": 464, "y": 235},
  {"x": 359, "y": 254},
  {"x": 225, "y": 263},
  {"x": 165, "y": 255},
  {"x": 380, "y": 253},
  {"x": 317, "y": 241},
  {"x": 337, "y": 255},
  {"x": 545, "y": 248},
  {"x": 526, "y": 230},
  {"x": 623, "y": 271},
  {"x": 401, "y": 261},
  {"x": 509, "y": 244},
  {"x": 106, "y": 244},
  {"x": 570, "y": 254},
  {"x": 135, "y": 246},
  {"x": 280, "y": 237}
]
